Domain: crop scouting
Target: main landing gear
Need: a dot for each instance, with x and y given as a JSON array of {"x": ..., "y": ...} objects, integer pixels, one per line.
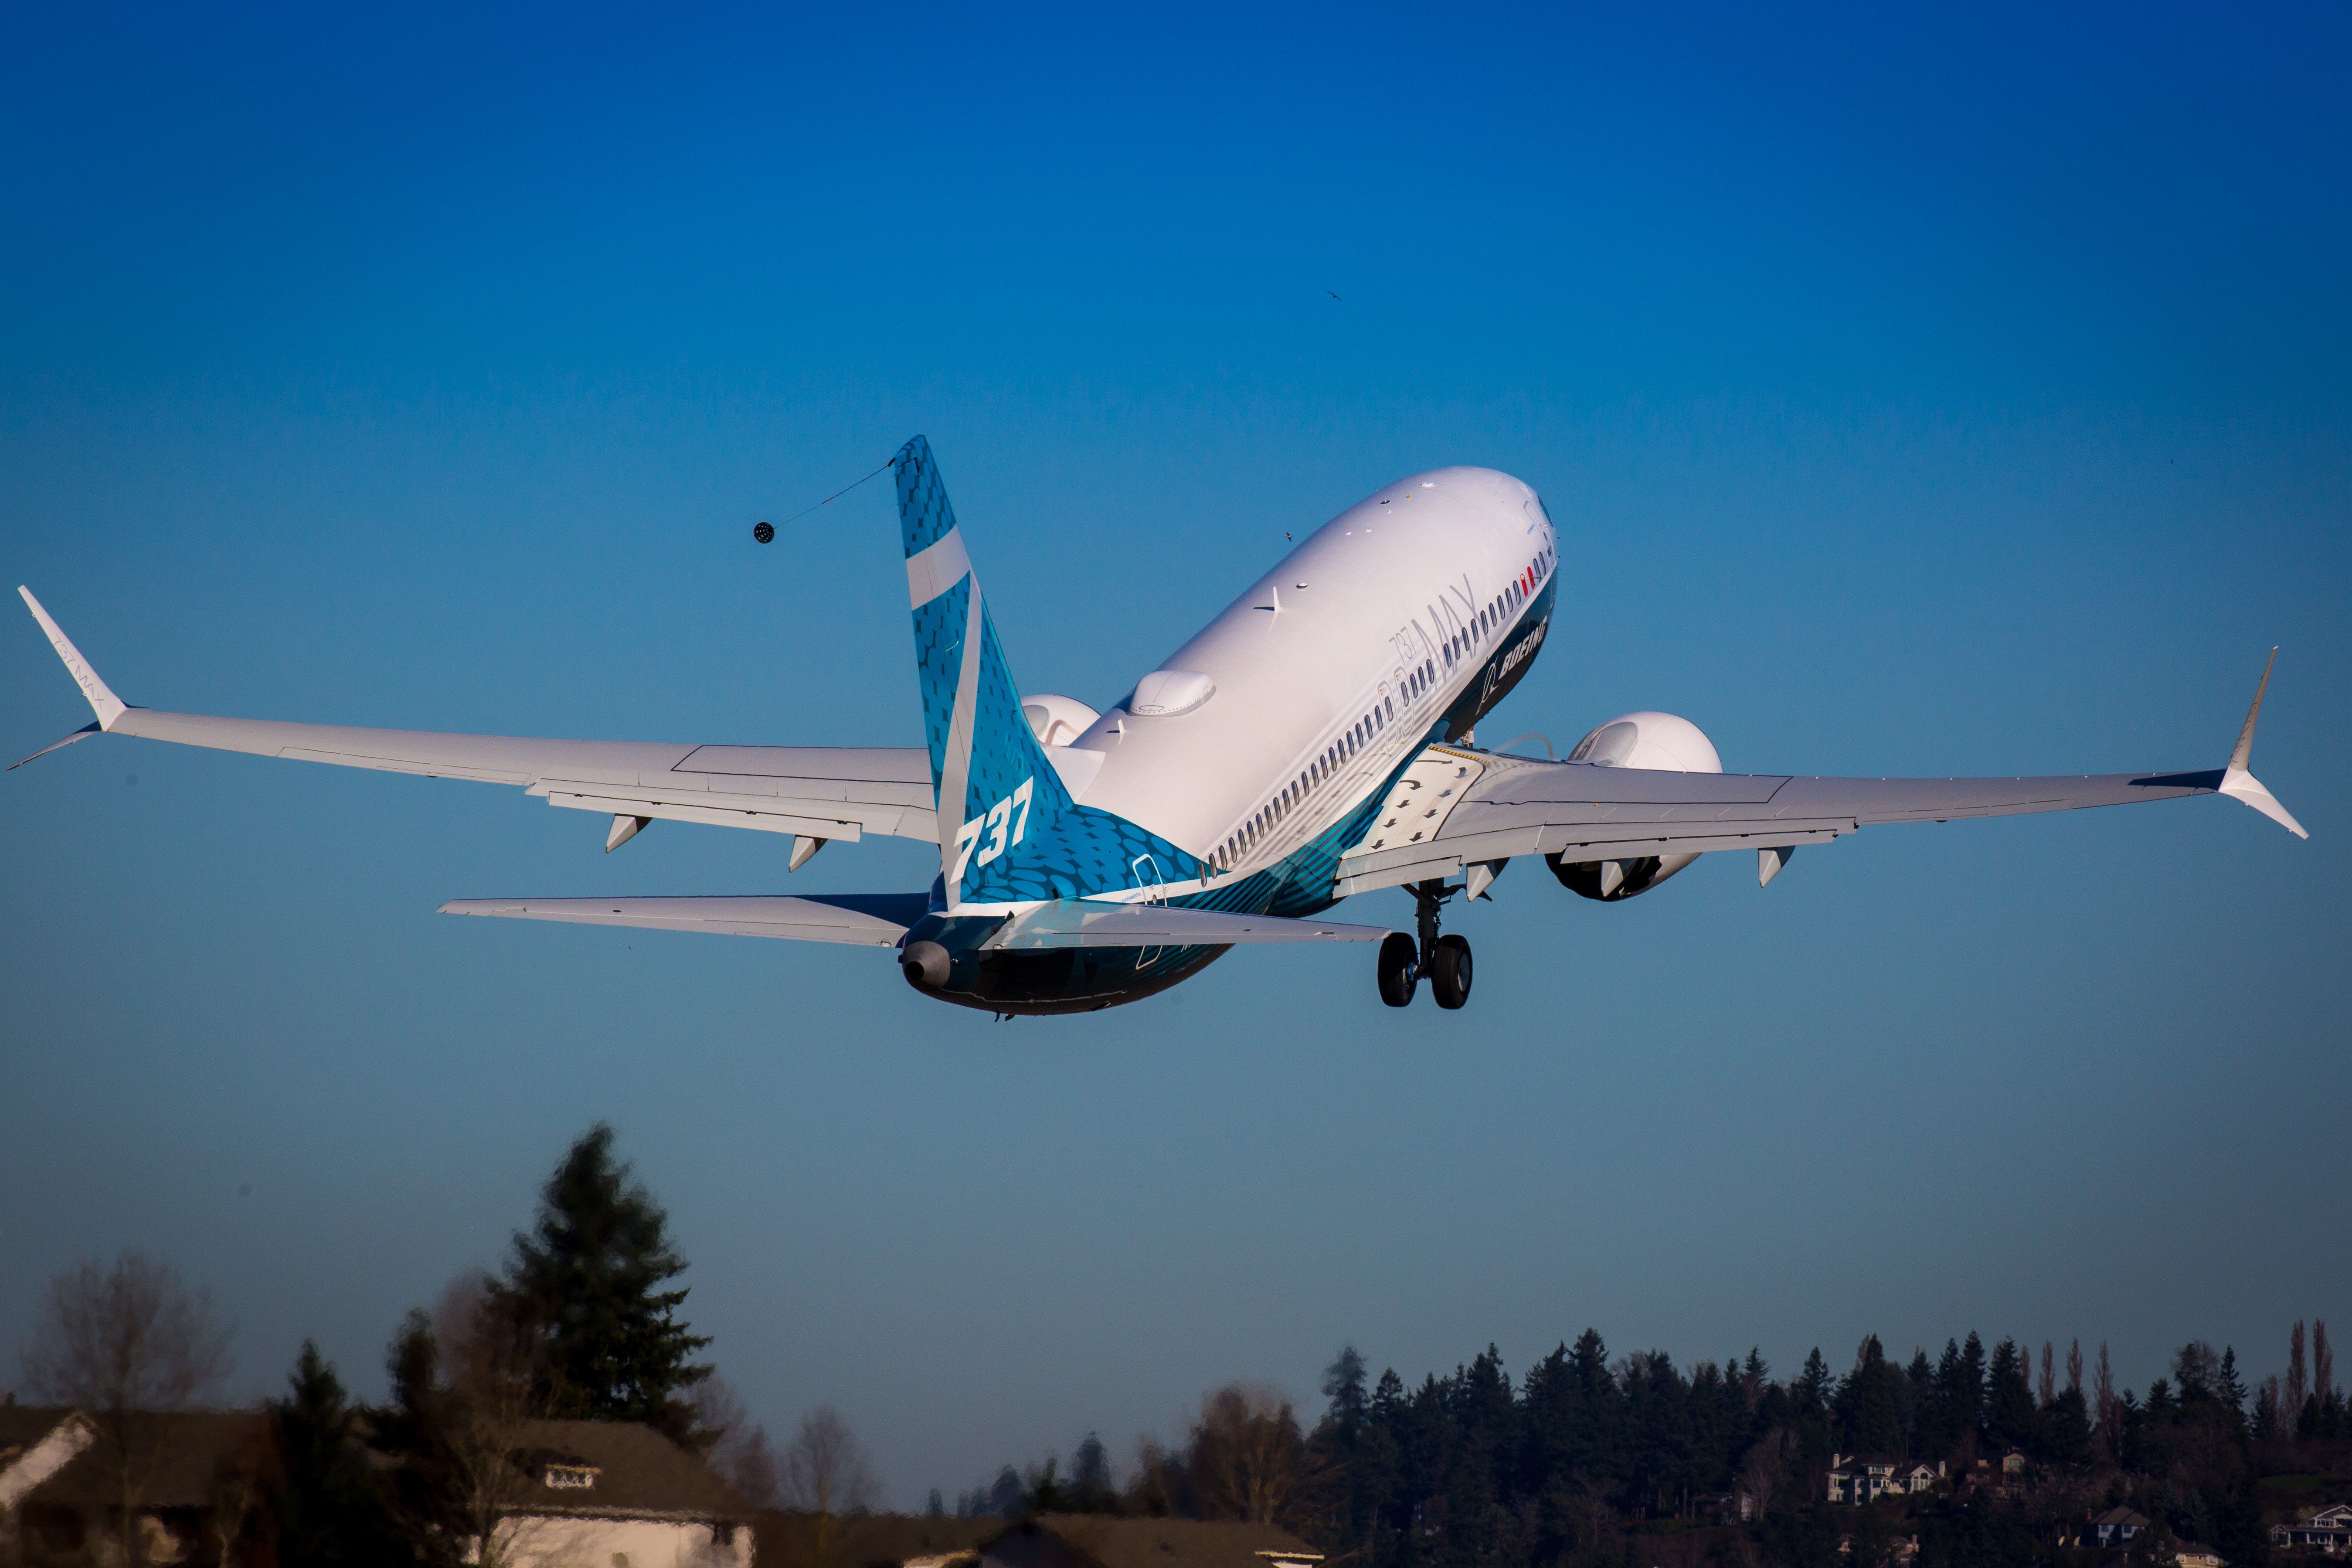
[{"x": 1445, "y": 960}]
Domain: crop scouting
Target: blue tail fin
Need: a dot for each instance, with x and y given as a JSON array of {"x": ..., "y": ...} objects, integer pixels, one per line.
[
  {"x": 993, "y": 784},
  {"x": 1008, "y": 828}
]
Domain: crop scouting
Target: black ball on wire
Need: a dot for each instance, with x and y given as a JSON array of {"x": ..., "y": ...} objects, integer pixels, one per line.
[{"x": 763, "y": 532}]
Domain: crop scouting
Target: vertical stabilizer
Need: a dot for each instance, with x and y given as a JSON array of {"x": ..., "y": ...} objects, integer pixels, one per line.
[{"x": 996, "y": 789}]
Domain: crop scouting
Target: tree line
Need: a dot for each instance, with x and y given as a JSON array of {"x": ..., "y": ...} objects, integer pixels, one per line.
[{"x": 1589, "y": 1461}]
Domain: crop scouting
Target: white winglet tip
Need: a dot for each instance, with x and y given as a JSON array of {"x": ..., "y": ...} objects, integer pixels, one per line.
[
  {"x": 2240, "y": 784},
  {"x": 102, "y": 699}
]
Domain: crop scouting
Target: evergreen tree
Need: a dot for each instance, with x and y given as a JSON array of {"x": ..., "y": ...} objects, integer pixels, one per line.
[
  {"x": 1091, "y": 1489},
  {"x": 1968, "y": 1396},
  {"x": 1939, "y": 1418},
  {"x": 2230, "y": 1389},
  {"x": 1811, "y": 1389},
  {"x": 2066, "y": 1429},
  {"x": 416, "y": 1432},
  {"x": 1919, "y": 1389},
  {"x": 329, "y": 1511},
  {"x": 1870, "y": 1403},
  {"x": 1343, "y": 1385},
  {"x": 2011, "y": 1418},
  {"x": 584, "y": 1292}
]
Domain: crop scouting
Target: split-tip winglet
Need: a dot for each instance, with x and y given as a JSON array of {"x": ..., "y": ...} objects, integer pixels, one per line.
[
  {"x": 2240, "y": 784},
  {"x": 102, "y": 699}
]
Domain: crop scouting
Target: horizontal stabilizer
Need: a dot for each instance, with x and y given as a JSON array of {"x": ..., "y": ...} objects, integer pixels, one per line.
[
  {"x": 860, "y": 919},
  {"x": 1077, "y": 922}
]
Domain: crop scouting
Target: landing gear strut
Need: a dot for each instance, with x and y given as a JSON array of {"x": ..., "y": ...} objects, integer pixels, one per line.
[{"x": 1445, "y": 960}]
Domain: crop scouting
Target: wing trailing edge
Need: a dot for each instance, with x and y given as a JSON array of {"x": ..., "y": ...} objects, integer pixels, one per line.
[{"x": 856, "y": 920}]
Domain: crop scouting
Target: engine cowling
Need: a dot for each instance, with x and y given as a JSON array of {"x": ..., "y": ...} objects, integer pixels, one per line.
[{"x": 1664, "y": 742}]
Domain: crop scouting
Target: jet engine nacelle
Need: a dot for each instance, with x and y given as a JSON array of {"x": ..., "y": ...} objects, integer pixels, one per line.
[{"x": 1664, "y": 742}]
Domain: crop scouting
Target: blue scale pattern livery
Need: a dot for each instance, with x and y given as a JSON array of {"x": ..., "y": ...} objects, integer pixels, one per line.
[{"x": 1013, "y": 834}]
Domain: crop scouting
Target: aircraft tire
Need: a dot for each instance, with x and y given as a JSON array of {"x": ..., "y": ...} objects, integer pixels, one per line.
[
  {"x": 1449, "y": 972},
  {"x": 1399, "y": 969}
]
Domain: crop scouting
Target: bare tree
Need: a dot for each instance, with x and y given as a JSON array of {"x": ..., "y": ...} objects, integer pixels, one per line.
[
  {"x": 2103, "y": 1397},
  {"x": 738, "y": 1445},
  {"x": 1157, "y": 1488},
  {"x": 2075, "y": 1365},
  {"x": 460, "y": 1423},
  {"x": 825, "y": 1473},
  {"x": 2049, "y": 1388},
  {"x": 1247, "y": 1459},
  {"x": 1766, "y": 1469},
  {"x": 237, "y": 1495},
  {"x": 126, "y": 1344},
  {"x": 2323, "y": 1362},
  {"x": 2297, "y": 1382}
]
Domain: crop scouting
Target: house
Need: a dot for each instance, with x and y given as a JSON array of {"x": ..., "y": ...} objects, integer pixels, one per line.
[
  {"x": 1865, "y": 1478},
  {"x": 194, "y": 1477},
  {"x": 1999, "y": 1476},
  {"x": 1049, "y": 1540},
  {"x": 609, "y": 1494},
  {"x": 617, "y": 1494},
  {"x": 2115, "y": 1529},
  {"x": 2329, "y": 1531},
  {"x": 2188, "y": 1555}
]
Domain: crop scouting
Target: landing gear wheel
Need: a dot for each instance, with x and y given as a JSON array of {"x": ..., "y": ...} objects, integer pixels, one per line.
[
  {"x": 1449, "y": 972},
  {"x": 1399, "y": 971}
]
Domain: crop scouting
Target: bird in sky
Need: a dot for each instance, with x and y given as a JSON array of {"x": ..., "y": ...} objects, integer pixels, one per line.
[{"x": 1334, "y": 296}]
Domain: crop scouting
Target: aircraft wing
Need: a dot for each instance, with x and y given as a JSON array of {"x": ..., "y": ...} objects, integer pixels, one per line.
[
  {"x": 861, "y": 919},
  {"x": 1079, "y": 922},
  {"x": 816, "y": 792},
  {"x": 1458, "y": 807}
]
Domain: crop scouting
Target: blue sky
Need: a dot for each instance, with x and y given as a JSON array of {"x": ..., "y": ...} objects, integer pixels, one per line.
[{"x": 1915, "y": 395}]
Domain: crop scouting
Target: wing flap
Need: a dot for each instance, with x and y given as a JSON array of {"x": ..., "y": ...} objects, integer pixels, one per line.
[
  {"x": 1522, "y": 806},
  {"x": 1451, "y": 852},
  {"x": 873, "y": 919}
]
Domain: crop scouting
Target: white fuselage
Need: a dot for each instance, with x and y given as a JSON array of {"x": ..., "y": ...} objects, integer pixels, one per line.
[{"x": 1331, "y": 671}]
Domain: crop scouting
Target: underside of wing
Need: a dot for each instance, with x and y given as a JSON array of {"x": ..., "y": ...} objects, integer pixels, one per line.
[
  {"x": 1081, "y": 924},
  {"x": 1506, "y": 806},
  {"x": 860, "y": 919}
]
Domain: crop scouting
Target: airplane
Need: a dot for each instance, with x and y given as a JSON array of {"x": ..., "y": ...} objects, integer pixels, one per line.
[{"x": 1313, "y": 742}]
